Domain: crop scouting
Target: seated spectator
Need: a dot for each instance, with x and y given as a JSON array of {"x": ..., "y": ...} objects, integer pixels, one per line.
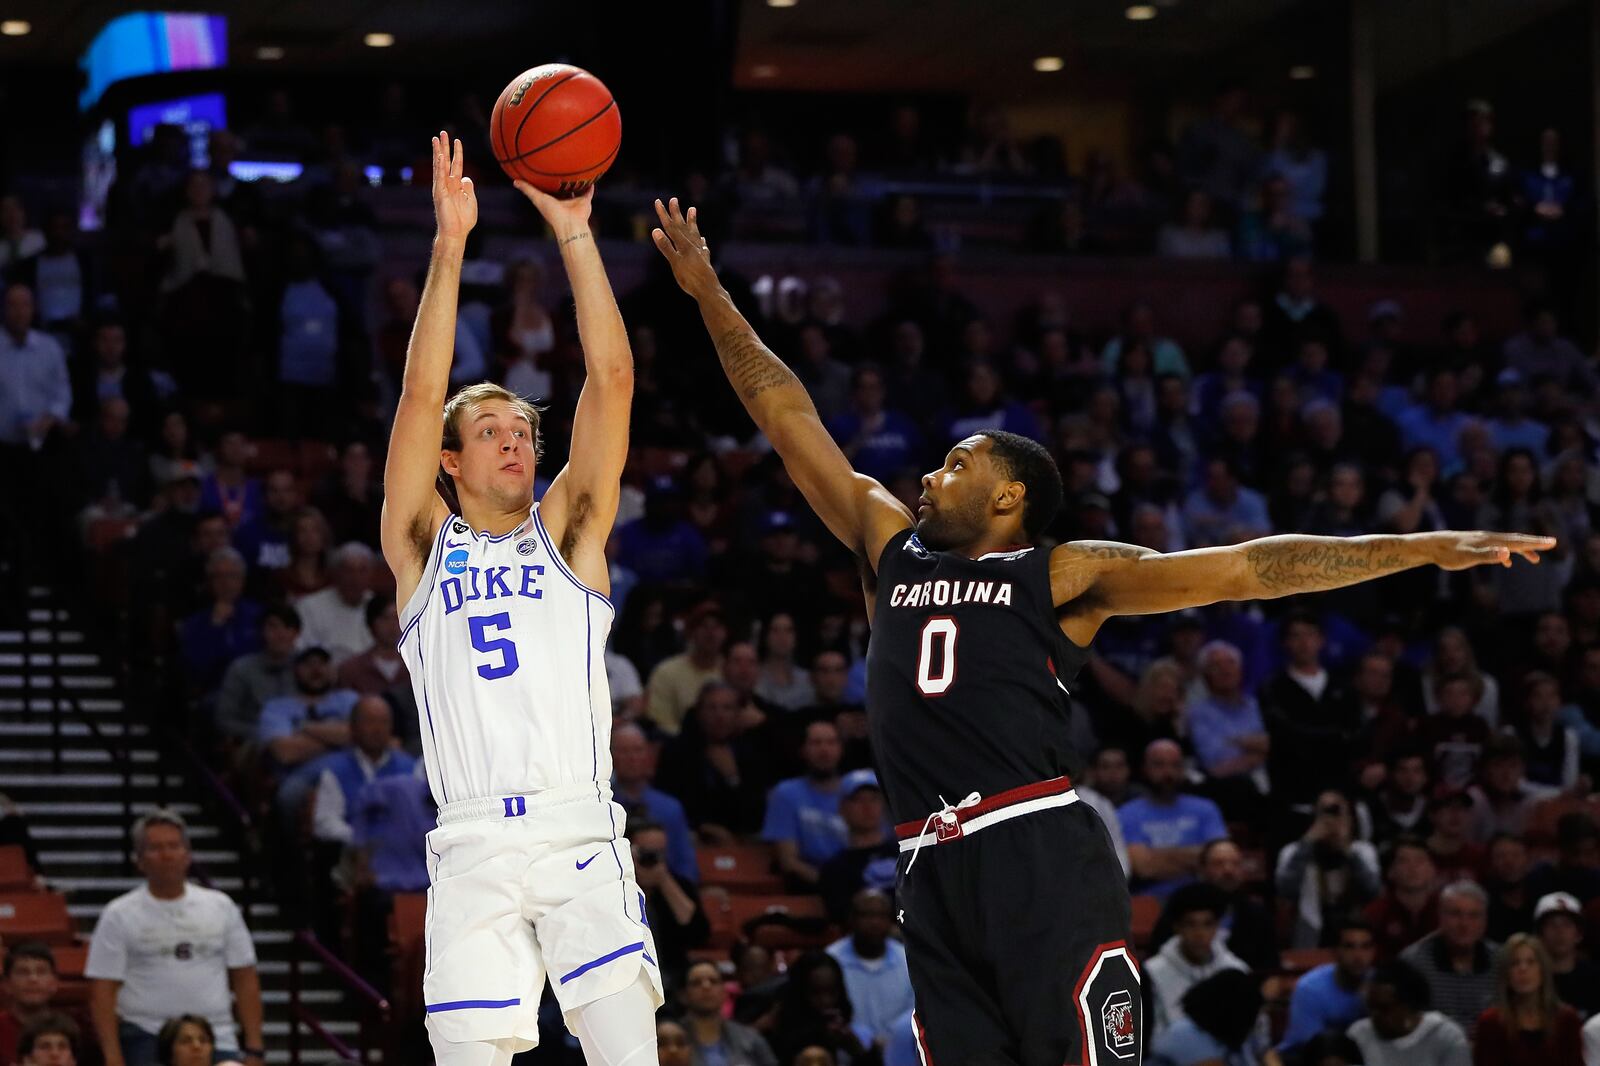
[
  {"x": 186, "y": 1040},
  {"x": 389, "y": 824},
  {"x": 228, "y": 626},
  {"x": 1401, "y": 806},
  {"x": 18, "y": 240},
  {"x": 169, "y": 941},
  {"x": 265, "y": 537},
  {"x": 1558, "y": 923},
  {"x": 678, "y": 681},
  {"x": 50, "y": 1040},
  {"x": 814, "y": 1010},
  {"x": 782, "y": 680},
  {"x": 879, "y": 440},
  {"x": 1326, "y": 873},
  {"x": 1311, "y": 718},
  {"x": 1540, "y": 352},
  {"x": 372, "y": 754},
  {"x": 1139, "y": 327},
  {"x": 1408, "y": 909},
  {"x": 1505, "y": 798},
  {"x": 1549, "y": 745},
  {"x": 1222, "y": 511},
  {"x": 1320, "y": 389},
  {"x": 336, "y": 617},
  {"x": 870, "y": 854},
  {"x": 1328, "y": 997},
  {"x": 1218, "y": 1024},
  {"x": 1527, "y": 1025},
  {"x": 677, "y": 920},
  {"x": 1400, "y": 1029},
  {"x": 713, "y": 1039},
  {"x": 1455, "y": 736},
  {"x": 1113, "y": 778},
  {"x": 300, "y": 729},
  {"x": 253, "y": 679},
  {"x": 1192, "y": 955},
  {"x": 1436, "y": 423},
  {"x": 30, "y": 992},
  {"x": 380, "y": 670},
  {"x": 662, "y": 545},
  {"x": 717, "y": 772},
  {"x": 803, "y": 822},
  {"x": 230, "y": 491},
  {"x": 1576, "y": 870},
  {"x": 874, "y": 964},
  {"x": 350, "y": 498},
  {"x": 1506, "y": 880},
  {"x": 1454, "y": 852},
  {"x": 1457, "y": 961},
  {"x": 1225, "y": 723},
  {"x": 1195, "y": 236},
  {"x": 1166, "y": 829},
  {"x": 1247, "y": 929},
  {"x": 1271, "y": 231},
  {"x": 633, "y": 762},
  {"x": 672, "y": 1044}
]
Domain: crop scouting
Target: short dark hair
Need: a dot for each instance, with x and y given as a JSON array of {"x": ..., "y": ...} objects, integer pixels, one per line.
[
  {"x": 283, "y": 612},
  {"x": 1400, "y": 843},
  {"x": 1026, "y": 460},
  {"x": 644, "y": 825},
  {"x": 1300, "y": 617},
  {"x": 167, "y": 1038},
  {"x": 1330, "y": 1044},
  {"x": 1352, "y": 923},
  {"x": 52, "y": 1024},
  {"x": 1197, "y": 896},
  {"x": 29, "y": 949},
  {"x": 1410, "y": 987},
  {"x": 377, "y": 605}
]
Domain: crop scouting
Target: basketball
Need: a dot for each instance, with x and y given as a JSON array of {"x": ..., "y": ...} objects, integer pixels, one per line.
[{"x": 557, "y": 128}]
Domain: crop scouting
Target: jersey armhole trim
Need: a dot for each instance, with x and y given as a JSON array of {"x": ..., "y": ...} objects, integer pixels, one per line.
[
  {"x": 561, "y": 564},
  {"x": 897, "y": 542},
  {"x": 425, "y": 588}
]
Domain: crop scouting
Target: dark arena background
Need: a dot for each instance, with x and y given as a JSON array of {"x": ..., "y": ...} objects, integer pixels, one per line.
[{"x": 1244, "y": 267}]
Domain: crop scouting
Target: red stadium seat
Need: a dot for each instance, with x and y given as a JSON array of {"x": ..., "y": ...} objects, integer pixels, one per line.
[
  {"x": 740, "y": 868},
  {"x": 35, "y": 916},
  {"x": 15, "y": 873},
  {"x": 105, "y": 532},
  {"x": 714, "y": 901},
  {"x": 270, "y": 454},
  {"x": 408, "y": 920},
  {"x": 780, "y": 921},
  {"x": 71, "y": 959},
  {"x": 1146, "y": 911}
]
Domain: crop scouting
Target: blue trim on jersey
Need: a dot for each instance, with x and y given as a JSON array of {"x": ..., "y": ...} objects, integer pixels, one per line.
[
  {"x": 427, "y": 709},
  {"x": 473, "y": 1004},
  {"x": 561, "y": 564},
  {"x": 438, "y": 556},
  {"x": 427, "y": 923},
  {"x": 602, "y": 960},
  {"x": 647, "y": 958},
  {"x": 503, "y": 536}
]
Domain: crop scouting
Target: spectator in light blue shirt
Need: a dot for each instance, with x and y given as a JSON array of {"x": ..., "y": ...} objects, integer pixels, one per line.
[
  {"x": 875, "y": 974},
  {"x": 1512, "y": 428},
  {"x": 633, "y": 763},
  {"x": 803, "y": 821},
  {"x": 1221, "y": 511},
  {"x": 1329, "y": 997},
  {"x": 1139, "y": 325},
  {"x": 35, "y": 391},
  {"x": 300, "y": 732},
  {"x": 1166, "y": 828},
  {"x": 1225, "y": 723},
  {"x": 879, "y": 441},
  {"x": 389, "y": 823}
]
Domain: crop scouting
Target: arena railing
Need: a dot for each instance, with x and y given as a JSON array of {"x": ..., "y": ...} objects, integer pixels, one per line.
[{"x": 374, "y": 1007}]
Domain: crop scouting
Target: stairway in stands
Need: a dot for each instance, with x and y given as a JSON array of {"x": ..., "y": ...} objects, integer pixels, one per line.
[{"x": 77, "y": 816}]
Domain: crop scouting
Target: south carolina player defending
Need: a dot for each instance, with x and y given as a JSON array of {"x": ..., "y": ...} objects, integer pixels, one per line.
[
  {"x": 1015, "y": 908},
  {"x": 504, "y": 625}
]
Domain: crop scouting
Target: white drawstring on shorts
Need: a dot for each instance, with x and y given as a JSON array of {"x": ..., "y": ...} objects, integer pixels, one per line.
[{"x": 947, "y": 815}]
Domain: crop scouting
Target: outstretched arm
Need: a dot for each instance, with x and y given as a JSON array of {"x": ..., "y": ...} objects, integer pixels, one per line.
[
  {"x": 855, "y": 508},
  {"x": 582, "y": 501},
  {"x": 412, "y": 509},
  {"x": 1091, "y": 581}
]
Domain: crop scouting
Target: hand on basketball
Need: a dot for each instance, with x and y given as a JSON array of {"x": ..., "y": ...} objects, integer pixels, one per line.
[
  {"x": 1458, "y": 551},
  {"x": 678, "y": 238},
  {"x": 455, "y": 204},
  {"x": 565, "y": 216}
]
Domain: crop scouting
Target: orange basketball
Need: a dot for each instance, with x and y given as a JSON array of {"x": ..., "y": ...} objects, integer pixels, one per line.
[{"x": 556, "y": 127}]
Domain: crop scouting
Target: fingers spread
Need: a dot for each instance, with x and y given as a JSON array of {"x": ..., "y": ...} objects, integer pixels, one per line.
[{"x": 663, "y": 242}]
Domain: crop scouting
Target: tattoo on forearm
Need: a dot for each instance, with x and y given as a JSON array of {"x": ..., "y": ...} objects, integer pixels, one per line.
[
  {"x": 563, "y": 242},
  {"x": 1298, "y": 564},
  {"x": 750, "y": 366}
]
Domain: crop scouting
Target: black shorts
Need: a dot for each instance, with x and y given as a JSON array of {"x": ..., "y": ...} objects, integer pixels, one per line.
[{"x": 1017, "y": 941}]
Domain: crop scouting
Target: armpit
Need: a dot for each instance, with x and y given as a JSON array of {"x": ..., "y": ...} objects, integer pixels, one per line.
[{"x": 578, "y": 512}]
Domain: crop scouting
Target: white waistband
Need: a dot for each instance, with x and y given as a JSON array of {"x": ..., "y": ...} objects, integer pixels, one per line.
[
  {"x": 519, "y": 805},
  {"x": 972, "y": 825}
]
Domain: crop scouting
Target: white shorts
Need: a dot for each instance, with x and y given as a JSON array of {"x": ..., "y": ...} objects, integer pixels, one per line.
[{"x": 525, "y": 887}]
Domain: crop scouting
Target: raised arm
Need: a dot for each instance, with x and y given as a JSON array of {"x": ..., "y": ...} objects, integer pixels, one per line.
[
  {"x": 412, "y": 509},
  {"x": 581, "y": 503},
  {"x": 1092, "y": 580},
  {"x": 855, "y": 508}
]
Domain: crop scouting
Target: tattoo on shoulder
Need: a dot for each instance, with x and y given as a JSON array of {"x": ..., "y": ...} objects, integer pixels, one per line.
[
  {"x": 577, "y": 518},
  {"x": 750, "y": 365}
]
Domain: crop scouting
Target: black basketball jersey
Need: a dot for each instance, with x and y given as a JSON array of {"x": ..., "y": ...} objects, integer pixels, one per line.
[{"x": 966, "y": 675}]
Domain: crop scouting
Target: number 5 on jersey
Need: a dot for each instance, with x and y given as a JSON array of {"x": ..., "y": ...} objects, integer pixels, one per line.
[
  {"x": 479, "y": 626},
  {"x": 937, "y": 653}
]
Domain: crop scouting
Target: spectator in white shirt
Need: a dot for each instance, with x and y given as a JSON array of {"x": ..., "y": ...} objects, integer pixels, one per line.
[
  {"x": 17, "y": 241},
  {"x": 336, "y": 617},
  {"x": 35, "y": 391},
  {"x": 371, "y": 754},
  {"x": 171, "y": 947}
]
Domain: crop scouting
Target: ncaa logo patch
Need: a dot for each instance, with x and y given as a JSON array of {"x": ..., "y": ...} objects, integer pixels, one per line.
[
  {"x": 1110, "y": 1013},
  {"x": 914, "y": 546},
  {"x": 527, "y": 546},
  {"x": 456, "y": 562}
]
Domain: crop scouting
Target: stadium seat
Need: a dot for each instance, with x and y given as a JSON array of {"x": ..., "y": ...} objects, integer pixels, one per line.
[
  {"x": 272, "y": 454},
  {"x": 1541, "y": 824},
  {"x": 408, "y": 920},
  {"x": 35, "y": 916},
  {"x": 714, "y": 901},
  {"x": 780, "y": 921},
  {"x": 743, "y": 868},
  {"x": 1301, "y": 960},
  {"x": 15, "y": 873},
  {"x": 1146, "y": 911}
]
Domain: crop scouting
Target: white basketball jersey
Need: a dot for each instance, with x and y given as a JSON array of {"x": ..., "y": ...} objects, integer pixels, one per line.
[{"x": 506, "y": 649}]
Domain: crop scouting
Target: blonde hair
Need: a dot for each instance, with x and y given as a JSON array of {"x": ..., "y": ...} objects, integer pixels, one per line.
[
  {"x": 1505, "y": 999},
  {"x": 471, "y": 396}
]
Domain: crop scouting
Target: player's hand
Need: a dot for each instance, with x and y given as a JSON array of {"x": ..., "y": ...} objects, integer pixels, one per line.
[
  {"x": 1453, "y": 550},
  {"x": 455, "y": 203},
  {"x": 678, "y": 238},
  {"x": 565, "y": 216}
]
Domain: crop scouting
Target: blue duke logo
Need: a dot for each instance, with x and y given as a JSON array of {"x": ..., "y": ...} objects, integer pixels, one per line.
[{"x": 455, "y": 562}]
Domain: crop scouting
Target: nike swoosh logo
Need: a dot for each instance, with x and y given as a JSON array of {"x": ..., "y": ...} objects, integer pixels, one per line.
[
  {"x": 587, "y": 861},
  {"x": 457, "y": 544}
]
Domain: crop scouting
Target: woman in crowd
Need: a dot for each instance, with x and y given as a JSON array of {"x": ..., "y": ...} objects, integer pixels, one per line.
[{"x": 1527, "y": 1025}]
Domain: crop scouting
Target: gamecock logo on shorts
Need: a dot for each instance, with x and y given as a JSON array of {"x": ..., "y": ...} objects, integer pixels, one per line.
[{"x": 1117, "y": 1018}]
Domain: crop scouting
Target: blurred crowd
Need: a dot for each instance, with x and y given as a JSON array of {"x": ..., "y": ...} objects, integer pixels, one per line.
[{"x": 1395, "y": 778}]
